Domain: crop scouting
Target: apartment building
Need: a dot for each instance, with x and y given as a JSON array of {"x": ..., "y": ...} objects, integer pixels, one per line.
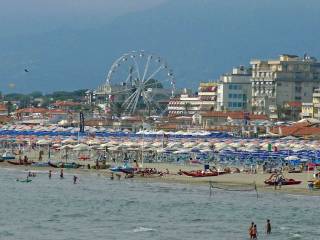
[{"x": 287, "y": 79}]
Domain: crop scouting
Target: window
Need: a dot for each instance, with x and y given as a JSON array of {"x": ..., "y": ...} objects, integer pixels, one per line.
[
  {"x": 230, "y": 87},
  {"x": 239, "y": 95},
  {"x": 235, "y": 104},
  {"x": 235, "y": 95},
  {"x": 239, "y": 104},
  {"x": 230, "y": 95},
  {"x": 230, "y": 104}
]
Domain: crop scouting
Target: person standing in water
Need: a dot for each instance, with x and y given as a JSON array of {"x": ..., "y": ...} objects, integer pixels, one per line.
[
  {"x": 50, "y": 174},
  {"x": 75, "y": 178},
  {"x": 268, "y": 227},
  {"x": 61, "y": 174},
  {"x": 250, "y": 230},
  {"x": 254, "y": 232}
]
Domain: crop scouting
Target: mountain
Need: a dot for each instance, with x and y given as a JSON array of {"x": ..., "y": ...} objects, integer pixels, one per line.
[{"x": 200, "y": 39}]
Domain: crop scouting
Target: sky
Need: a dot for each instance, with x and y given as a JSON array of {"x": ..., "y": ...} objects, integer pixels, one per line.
[
  {"x": 19, "y": 17},
  {"x": 71, "y": 44}
]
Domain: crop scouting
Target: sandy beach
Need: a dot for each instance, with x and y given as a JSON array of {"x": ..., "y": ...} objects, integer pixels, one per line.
[{"x": 228, "y": 181}]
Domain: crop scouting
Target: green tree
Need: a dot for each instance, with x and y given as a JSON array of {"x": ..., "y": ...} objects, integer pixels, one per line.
[{"x": 9, "y": 106}]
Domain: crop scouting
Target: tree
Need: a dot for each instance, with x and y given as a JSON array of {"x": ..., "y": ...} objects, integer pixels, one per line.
[
  {"x": 9, "y": 106},
  {"x": 117, "y": 109}
]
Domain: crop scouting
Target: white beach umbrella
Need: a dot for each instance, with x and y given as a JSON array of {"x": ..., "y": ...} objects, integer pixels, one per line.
[{"x": 81, "y": 147}]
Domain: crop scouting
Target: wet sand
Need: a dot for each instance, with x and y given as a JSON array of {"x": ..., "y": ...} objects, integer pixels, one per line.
[{"x": 229, "y": 181}]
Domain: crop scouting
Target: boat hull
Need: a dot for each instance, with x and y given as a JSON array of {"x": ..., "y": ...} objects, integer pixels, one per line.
[
  {"x": 286, "y": 182},
  {"x": 19, "y": 163},
  {"x": 200, "y": 174}
]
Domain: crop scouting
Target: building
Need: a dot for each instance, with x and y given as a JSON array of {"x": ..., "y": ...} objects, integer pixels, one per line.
[
  {"x": 207, "y": 93},
  {"x": 287, "y": 79},
  {"x": 307, "y": 110},
  {"x": 291, "y": 111},
  {"x": 189, "y": 104},
  {"x": 234, "y": 90},
  {"x": 208, "y": 119},
  {"x": 66, "y": 105},
  {"x": 312, "y": 109},
  {"x": 185, "y": 104},
  {"x": 3, "y": 110}
]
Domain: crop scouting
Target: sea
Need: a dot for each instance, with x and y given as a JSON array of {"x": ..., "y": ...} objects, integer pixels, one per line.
[{"x": 99, "y": 208}]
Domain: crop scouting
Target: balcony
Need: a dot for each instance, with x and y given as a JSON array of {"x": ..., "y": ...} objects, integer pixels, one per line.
[
  {"x": 273, "y": 116},
  {"x": 272, "y": 108},
  {"x": 306, "y": 114},
  {"x": 316, "y": 115}
]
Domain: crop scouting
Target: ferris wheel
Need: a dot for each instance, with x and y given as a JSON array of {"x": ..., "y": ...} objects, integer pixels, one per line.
[{"x": 141, "y": 81}]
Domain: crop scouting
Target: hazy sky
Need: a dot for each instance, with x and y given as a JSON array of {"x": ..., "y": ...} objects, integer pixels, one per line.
[
  {"x": 71, "y": 44},
  {"x": 31, "y": 16}
]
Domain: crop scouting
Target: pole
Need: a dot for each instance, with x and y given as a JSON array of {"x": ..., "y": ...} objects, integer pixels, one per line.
[
  {"x": 210, "y": 188},
  {"x": 142, "y": 148},
  {"x": 256, "y": 189}
]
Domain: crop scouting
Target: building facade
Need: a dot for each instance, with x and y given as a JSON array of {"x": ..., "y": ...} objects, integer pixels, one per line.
[
  {"x": 208, "y": 93},
  {"x": 312, "y": 109},
  {"x": 288, "y": 79},
  {"x": 185, "y": 104},
  {"x": 189, "y": 104},
  {"x": 234, "y": 90}
]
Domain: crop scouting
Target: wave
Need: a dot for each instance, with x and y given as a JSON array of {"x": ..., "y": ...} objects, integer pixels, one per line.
[{"x": 142, "y": 229}]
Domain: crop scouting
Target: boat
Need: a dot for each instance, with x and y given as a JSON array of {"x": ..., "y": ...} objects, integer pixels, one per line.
[
  {"x": 24, "y": 180},
  {"x": 7, "y": 156},
  {"x": 274, "y": 179},
  {"x": 126, "y": 168},
  {"x": 200, "y": 173},
  {"x": 64, "y": 165},
  {"x": 83, "y": 158},
  {"x": 40, "y": 164},
  {"x": 19, "y": 163}
]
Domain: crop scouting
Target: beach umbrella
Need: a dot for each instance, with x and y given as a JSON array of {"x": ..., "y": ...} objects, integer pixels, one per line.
[
  {"x": 69, "y": 141},
  {"x": 43, "y": 142},
  {"x": 81, "y": 147},
  {"x": 290, "y": 158}
]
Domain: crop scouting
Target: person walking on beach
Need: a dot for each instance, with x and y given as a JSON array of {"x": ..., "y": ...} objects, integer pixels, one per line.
[
  {"x": 50, "y": 174},
  {"x": 61, "y": 174},
  {"x": 268, "y": 227},
  {"x": 250, "y": 230}
]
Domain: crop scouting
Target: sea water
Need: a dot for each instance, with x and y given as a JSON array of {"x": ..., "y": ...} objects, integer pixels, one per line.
[{"x": 99, "y": 208}]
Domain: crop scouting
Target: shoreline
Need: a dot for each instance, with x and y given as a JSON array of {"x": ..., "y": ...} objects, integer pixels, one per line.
[{"x": 238, "y": 181}]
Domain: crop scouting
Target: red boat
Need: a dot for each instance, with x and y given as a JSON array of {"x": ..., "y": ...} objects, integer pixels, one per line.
[
  {"x": 83, "y": 158},
  {"x": 19, "y": 163},
  {"x": 275, "y": 179},
  {"x": 200, "y": 173}
]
